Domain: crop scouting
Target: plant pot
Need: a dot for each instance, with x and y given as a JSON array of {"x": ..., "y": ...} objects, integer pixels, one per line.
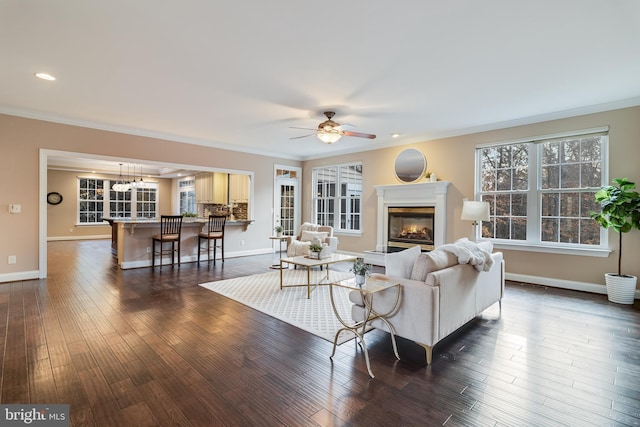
[
  {"x": 620, "y": 289},
  {"x": 314, "y": 255},
  {"x": 360, "y": 279}
]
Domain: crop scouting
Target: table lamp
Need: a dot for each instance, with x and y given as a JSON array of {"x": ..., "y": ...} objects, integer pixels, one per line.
[{"x": 475, "y": 211}]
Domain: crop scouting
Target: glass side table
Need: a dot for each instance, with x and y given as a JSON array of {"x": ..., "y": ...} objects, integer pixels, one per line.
[
  {"x": 281, "y": 240},
  {"x": 367, "y": 292}
]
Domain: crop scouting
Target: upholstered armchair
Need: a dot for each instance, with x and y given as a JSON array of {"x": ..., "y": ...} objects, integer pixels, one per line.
[{"x": 299, "y": 245}]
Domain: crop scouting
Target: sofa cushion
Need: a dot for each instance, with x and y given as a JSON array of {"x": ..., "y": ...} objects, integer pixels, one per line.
[
  {"x": 432, "y": 261},
  {"x": 310, "y": 236},
  {"x": 400, "y": 264}
]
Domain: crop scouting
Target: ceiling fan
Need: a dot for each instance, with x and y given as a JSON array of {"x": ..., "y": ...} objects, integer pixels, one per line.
[{"x": 330, "y": 131}]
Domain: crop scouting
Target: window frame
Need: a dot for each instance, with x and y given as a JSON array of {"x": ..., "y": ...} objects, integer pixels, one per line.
[
  {"x": 534, "y": 193},
  {"x": 189, "y": 190},
  {"x": 106, "y": 201},
  {"x": 337, "y": 200}
]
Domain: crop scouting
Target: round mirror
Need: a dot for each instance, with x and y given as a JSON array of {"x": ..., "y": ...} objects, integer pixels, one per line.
[{"x": 410, "y": 165}]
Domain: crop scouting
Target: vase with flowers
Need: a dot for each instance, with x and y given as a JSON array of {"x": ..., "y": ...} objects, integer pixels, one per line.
[{"x": 361, "y": 270}]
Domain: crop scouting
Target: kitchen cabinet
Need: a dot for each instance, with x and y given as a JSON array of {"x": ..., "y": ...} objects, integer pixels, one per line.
[
  {"x": 239, "y": 185},
  {"x": 211, "y": 187}
]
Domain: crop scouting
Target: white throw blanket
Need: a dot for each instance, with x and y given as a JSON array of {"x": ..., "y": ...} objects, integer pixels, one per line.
[{"x": 468, "y": 252}]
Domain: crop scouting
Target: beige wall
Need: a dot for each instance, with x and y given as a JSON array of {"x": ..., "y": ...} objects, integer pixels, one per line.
[
  {"x": 453, "y": 160},
  {"x": 21, "y": 140}
]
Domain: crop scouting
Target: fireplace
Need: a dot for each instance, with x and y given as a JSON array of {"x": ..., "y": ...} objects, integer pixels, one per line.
[
  {"x": 409, "y": 226},
  {"x": 432, "y": 195}
]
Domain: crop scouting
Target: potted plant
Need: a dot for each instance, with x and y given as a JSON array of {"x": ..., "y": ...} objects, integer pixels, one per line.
[
  {"x": 278, "y": 230},
  {"x": 360, "y": 269},
  {"x": 314, "y": 250},
  {"x": 620, "y": 210}
]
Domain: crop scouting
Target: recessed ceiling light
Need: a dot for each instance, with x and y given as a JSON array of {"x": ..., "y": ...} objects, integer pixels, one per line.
[
  {"x": 395, "y": 135},
  {"x": 45, "y": 76}
]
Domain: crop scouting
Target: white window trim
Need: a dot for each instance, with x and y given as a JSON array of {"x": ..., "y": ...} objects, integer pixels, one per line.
[
  {"x": 602, "y": 250},
  {"x": 106, "y": 201},
  {"x": 336, "y": 221}
]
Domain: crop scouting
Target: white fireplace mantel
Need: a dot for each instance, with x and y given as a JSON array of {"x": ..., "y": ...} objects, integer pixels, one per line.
[{"x": 418, "y": 194}]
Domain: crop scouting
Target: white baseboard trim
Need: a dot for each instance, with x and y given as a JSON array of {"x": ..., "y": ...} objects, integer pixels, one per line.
[
  {"x": 96, "y": 237},
  {"x": 21, "y": 275},
  {"x": 573, "y": 285},
  {"x": 563, "y": 284},
  {"x": 194, "y": 258}
]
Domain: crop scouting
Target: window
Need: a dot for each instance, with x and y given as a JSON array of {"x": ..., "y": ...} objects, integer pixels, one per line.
[
  {"x": 90, "y": 200},
  {"x": 187, "y": 192},
  {"x": 145, "y": 202},
  {"x": 93, "y": 207},
  {"x": 119, "y": 203},
  {"x": 542, "y": 191},
  {"x": 338, "y": 196}
]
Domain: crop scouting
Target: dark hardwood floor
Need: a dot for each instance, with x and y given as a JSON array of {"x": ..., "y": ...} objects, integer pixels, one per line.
[{"x": 143, "y": 347}]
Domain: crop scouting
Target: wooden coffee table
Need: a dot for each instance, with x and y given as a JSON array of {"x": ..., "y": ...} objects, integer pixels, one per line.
[{"x": 304, "y": 261}]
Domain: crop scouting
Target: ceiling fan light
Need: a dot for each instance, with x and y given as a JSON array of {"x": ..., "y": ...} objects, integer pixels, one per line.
[{"x": 328, "y": 137}]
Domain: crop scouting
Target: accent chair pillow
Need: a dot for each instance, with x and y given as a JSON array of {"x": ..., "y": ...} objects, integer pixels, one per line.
[
  {"x": 400, "y": 264},
  {"x": 432, "y": 261},
  {"x": 309, "y": 236}
]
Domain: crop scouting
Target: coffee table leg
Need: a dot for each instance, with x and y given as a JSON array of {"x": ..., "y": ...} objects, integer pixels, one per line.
[{"x": 308, "y": 282}]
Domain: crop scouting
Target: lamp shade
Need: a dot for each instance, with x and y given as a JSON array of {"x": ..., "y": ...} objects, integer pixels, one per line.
[
  {"x": 328, "y": 137},
  {"x": 475, "y": 211}
]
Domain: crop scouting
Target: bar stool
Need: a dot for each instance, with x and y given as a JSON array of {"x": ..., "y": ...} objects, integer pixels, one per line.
[
  {"x": 170, "y": 229},
  {"x": 214, "y": 231}
]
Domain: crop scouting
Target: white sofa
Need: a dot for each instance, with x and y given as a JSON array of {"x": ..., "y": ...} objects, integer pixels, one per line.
[
  {"x": 439, "y": 294},
  {"x": 299, "y": 245}
]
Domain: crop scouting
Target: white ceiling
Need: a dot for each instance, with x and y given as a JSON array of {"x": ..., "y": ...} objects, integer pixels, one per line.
[{"x": 239, "y": 74}]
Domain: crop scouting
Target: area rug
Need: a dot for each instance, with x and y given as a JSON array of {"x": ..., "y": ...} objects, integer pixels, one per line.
[{"x": 315, "y": 315}]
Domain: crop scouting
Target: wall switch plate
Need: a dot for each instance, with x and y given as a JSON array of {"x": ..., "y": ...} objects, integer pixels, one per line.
[
  {"x": 15, "y": 208},
  {"x": 11, "y": 259}
]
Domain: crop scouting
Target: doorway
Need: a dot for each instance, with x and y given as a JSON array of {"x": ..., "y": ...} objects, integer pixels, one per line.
[{"x": 286, "y": 212}]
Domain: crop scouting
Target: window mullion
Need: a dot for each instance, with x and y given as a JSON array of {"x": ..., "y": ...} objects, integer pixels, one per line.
[{"x": 534, "y": 194}]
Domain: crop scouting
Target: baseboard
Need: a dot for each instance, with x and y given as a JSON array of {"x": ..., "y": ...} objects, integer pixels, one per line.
[
  {"x": 573, "y": 285},
  {"x": 194, "y": 258},
  {"x": 96, "y": 237},
  {"x": 21, "y": 275},
  {"x": 563, "y": 284}
]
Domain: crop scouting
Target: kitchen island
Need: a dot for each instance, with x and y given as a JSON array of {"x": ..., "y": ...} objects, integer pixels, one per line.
[{"x": 131, "y": 239}]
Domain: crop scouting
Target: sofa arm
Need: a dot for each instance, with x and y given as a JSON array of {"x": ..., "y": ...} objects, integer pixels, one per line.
[
  {"x": 417, "y": 315},
  {"x": 333, "y": 243}
]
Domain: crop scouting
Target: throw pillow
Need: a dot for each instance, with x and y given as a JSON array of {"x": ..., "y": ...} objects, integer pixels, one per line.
[
  {"x": 432, "y": 261},
  {"x": 307, "y": 226},
  {"x": 486, "y": 246},
  {"x": 400, "y": 264},
  {"x": 309, "y": 236},
  {"x": 298, "y": 248}
]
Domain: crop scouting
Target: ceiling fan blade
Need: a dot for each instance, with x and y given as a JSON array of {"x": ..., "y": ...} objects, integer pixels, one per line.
[
  {"x": 303, "y": 136},
  {"x": 295, "y": 127},
  {"x": 358, "y": 134}
]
